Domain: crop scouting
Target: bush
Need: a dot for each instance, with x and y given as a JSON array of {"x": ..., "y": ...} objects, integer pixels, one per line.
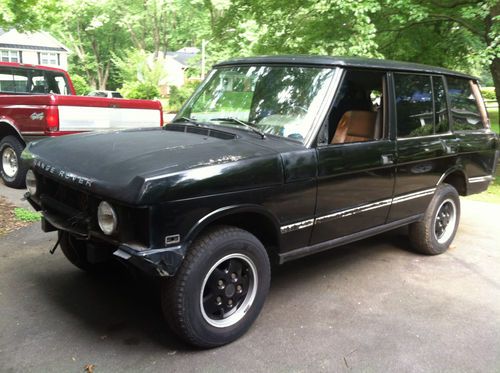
[
  {"x": 179, "y": 95},
  {"x": 488, "y": 93},
  {"x": 140, "y": 90},
  {"x": 81, "y": 86}
]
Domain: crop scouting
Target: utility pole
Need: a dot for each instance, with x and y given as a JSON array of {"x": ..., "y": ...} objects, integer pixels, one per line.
[{"x": 204, "y": 44}]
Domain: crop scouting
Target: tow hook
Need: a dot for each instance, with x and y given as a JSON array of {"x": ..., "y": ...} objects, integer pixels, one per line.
[{"x": 55, "y": 246}]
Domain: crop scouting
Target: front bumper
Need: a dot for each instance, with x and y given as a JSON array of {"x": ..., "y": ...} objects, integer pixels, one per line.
[
  {"x": 152, "y": 261},
  {"x": 155, "y": 262}
]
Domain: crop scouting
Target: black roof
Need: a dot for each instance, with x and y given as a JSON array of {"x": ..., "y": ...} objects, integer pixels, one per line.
[
  {"x": 359, "y": 62},
  {"x": 32, "y": 47}
]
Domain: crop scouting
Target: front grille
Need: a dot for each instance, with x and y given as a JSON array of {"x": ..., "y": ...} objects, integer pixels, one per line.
[{"x": 77, "y": 211}]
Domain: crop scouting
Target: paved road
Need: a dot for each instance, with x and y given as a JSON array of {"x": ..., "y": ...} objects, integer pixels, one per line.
[
  {"x": 14, "y": 196},
  {"x": 369, "y": 306}
]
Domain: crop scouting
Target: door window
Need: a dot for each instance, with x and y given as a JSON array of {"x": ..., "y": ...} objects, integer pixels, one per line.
[
  {"x": 358, "y": 110},
  {"x": 414, "y": 105}
]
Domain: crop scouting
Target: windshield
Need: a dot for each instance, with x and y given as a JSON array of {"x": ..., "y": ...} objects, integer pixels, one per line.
[{"x": 276, "y": 100}]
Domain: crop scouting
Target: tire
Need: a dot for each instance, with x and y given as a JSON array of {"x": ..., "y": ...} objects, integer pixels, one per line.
[
  {"x": 434, "y": 234},
  {"x": 220, "y": 288},
  {"x": 77, "y": 253},
  {"x": 13, "y": 172}
]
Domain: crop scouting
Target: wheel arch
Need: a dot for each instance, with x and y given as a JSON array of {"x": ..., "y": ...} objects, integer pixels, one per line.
[
  {"x": 252, "y": 218},
  {"x": 7, "y": 128},
  {"x": 456, "y": 178}
]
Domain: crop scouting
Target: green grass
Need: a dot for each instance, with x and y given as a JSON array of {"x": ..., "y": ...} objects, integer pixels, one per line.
[
  {"x": 26, "y": 215},
  {"x": 492, "y": 195},
  {"x": 493, "y": 112}
]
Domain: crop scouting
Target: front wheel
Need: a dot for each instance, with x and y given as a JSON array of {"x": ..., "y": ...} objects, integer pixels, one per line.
[
  {"x": 12, "y": 171},
  {"x": 434, "y": 234},
  {"x": 220, "y": 288}
]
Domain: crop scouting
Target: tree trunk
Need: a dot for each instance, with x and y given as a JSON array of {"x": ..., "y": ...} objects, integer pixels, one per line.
[{"x": 495, "y": 73}]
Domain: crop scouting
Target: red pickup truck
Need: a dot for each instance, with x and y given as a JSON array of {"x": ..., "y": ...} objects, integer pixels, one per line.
[{"x": 39, "y": 101}]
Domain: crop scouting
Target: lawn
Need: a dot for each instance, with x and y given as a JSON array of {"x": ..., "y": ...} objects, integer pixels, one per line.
[{"x": 494, "y": 119}]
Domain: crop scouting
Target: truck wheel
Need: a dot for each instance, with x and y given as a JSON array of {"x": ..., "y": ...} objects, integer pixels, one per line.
[
  {"x": 219, "y": 289},
  {"x": 77, "y": 253},
  {"x": 434, "y": 234},
  {"x": 12, "y": 171}
]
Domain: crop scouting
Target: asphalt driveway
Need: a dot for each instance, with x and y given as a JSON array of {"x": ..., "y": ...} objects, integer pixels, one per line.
[{"x": 368, "y": 306}]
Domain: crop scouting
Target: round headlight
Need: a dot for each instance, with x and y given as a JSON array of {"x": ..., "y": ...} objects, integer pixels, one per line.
[
  {"x": 31, "y": 182},
  {"x": 106, "y": 217}
]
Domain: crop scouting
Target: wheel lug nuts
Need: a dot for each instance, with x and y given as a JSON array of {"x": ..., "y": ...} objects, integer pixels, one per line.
[
  {"x": 233, "y": 276},
  {"x": 239, "y": 288},
  {"x": 230, "y": 302},
  {"x": 218, "y": 300},
  {"x": 220, "y": 284}
]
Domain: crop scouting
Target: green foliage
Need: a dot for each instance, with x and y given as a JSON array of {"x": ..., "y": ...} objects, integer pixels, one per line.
[
  {"x": 137, "y": 65},
  {"x": 26, "y": 215},
  {"x": 179, "y": 95},
  {"x": 488, "y": 93},
  {"x": 81, "y": 86},
  {"x": 28, "y": 14},
  {"x": 140, "y": 90}
]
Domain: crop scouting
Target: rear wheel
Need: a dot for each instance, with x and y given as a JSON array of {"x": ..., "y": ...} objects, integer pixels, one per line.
[
  {"x": 434, "y": 234},
  {"x": 12, "y": 171},
  {"x": 77, "y": 252},
  {"x": 220, "y": 288}
]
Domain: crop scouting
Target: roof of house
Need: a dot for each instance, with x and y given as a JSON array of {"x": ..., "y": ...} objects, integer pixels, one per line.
[
  {"x": 182, "y": 57},
  {"x": 39, "y": 40},
  {"x": 356, "y": 62}
]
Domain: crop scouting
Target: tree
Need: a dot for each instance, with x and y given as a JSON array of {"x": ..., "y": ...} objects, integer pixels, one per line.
[
  {"x": 460, "y": 34},
  {"x": 28, "y": 15},
  {"x": 91, "y": 29}
]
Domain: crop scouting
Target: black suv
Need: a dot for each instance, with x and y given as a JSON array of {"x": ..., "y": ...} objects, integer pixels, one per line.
[{"x": 271, "y": 159}]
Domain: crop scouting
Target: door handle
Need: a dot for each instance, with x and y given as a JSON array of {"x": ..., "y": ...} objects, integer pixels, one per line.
[
  {"x": 449, "y": 149},
  {"x": 387, "y": 158}
]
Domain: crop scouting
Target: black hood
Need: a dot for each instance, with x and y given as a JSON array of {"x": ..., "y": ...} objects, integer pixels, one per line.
[{"x": 142, "y": 166}]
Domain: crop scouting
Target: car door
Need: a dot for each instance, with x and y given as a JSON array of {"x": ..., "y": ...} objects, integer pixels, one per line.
[
  {"x": 355, "y": 176},
  {"x": 425, "y": 146}
]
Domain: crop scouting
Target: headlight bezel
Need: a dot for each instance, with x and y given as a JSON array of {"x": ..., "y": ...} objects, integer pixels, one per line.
[
  {"x": 31, "y": 182},
  {"x": 107, "y": 218}
]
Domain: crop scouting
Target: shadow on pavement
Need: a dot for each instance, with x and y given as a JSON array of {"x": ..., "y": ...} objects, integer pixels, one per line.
[{"x": 126, "y": 308}]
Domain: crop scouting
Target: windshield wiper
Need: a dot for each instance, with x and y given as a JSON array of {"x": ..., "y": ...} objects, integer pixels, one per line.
[
  {"x": 186, "y": 119},
  {"x": 247, "y": 125}
]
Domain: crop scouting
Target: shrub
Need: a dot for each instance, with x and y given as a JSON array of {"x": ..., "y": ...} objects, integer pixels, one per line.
[
  {"x": 140, "y": 90},
  {"x": 179, "y": 95},
  {"x": 81, "y": 86},
  {"x": 488, "y": 93}
]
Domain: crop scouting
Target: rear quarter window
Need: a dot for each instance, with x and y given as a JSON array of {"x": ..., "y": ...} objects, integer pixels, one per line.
[{"x": 467, "y": 107}]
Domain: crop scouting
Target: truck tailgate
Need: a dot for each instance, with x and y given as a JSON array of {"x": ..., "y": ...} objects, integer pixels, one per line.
[{"x": 83, "y": 118}]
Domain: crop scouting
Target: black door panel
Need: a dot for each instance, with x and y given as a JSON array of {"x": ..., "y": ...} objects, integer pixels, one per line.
[{"x": 355, "y": 186}]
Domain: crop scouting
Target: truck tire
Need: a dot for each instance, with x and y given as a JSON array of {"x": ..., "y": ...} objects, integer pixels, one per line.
[
  {"x": 76, "y": 252},
  {"x": 220, "y": 288},
  {"x": 434, "y": 234},
  {"x": 13, "y": 172}
]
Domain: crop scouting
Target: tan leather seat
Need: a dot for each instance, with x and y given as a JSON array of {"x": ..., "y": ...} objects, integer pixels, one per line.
[{"x": 355, "y": 126}]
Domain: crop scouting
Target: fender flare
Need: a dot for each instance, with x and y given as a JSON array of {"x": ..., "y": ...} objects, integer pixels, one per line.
[
  {"x": 456, "y": 168},
  {"x": 10, "y": 124},
  {"x": 227, "y": 211}
]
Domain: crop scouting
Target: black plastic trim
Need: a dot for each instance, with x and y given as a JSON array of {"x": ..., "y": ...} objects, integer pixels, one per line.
[{"x": 304, "y": 251}]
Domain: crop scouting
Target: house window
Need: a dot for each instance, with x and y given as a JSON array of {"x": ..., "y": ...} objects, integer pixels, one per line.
[
  {"x": 9, "y": 56},
  {"x": 48, "y": 58}
]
